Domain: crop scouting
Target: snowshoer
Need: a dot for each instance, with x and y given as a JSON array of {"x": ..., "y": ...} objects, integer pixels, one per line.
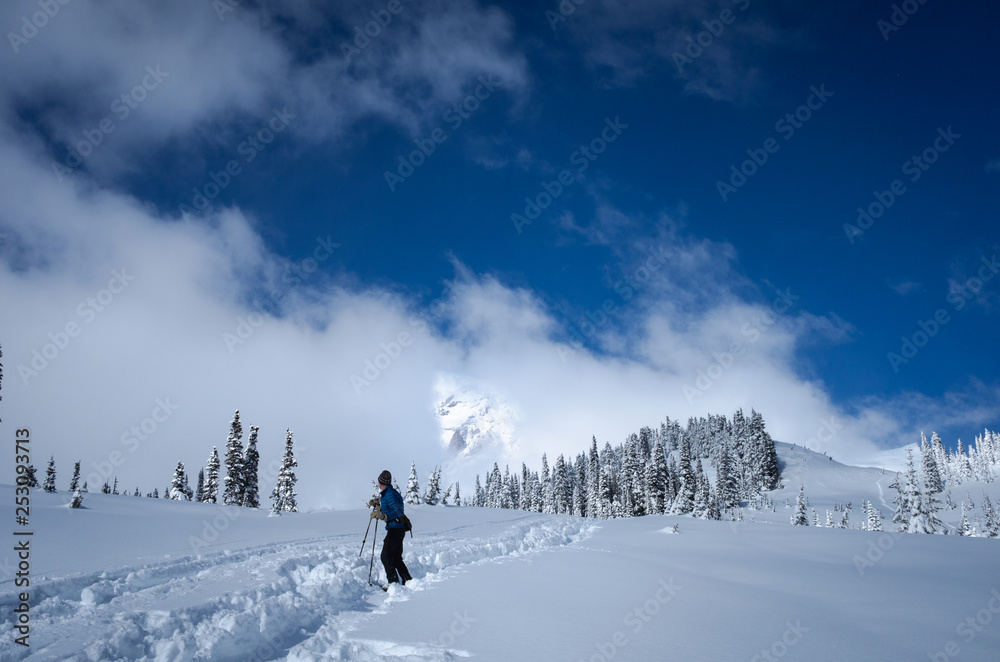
[{"x": 390, "y": 511}]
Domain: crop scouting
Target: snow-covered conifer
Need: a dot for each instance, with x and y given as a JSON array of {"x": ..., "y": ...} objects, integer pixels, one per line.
[
  {"x": 31, "y": 479},
  {"x": 251, "y": 494},
  {"x": 233, "y": 495},
  {"x": 433, "y": 494},
  {"x": 77, "y": 501},
  {"x": 656, "y": 480},
  {"x": 49, "y": 484},
  {"x": 211, "y": 493},
  {"x": 199, "y": 492},
  {"x": 684, "y": 503},
  {"x": 413, "y": 486},
  {"x": 177, "y": 487},
  {"x": 799, "y": 516},
  {"x": 283, "y": 496},
  {"x": 74, "y": 483}
]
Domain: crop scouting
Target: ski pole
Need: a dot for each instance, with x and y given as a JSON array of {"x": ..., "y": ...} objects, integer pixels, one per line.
[
  {"x": 372, "y": 564},
  {"x": 366, "y": 536}
]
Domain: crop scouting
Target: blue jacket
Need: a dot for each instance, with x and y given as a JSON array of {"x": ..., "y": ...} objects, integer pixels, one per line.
[{"x": 392, "y": 507}]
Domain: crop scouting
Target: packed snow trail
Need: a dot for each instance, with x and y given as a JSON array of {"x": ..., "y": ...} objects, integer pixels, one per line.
[{"x": 294, "y": 599}]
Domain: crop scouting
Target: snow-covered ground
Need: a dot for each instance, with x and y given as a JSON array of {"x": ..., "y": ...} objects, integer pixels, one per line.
[{"x": 131, "y": 578}]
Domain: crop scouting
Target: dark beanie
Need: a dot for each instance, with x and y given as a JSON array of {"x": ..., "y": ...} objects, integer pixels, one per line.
[{"x": 385, "y": 478}]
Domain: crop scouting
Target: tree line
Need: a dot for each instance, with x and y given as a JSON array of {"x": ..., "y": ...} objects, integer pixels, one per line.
[{"x": 240, "y": 485}]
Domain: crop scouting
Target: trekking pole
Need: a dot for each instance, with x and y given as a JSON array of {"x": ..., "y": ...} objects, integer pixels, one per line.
[
  {"x": 372, "y": 564},
  {"x": 366, "y": 536}
]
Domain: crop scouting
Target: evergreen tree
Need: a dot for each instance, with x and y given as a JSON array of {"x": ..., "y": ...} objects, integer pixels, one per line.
[
  {"x": 815, "y": 518},
  {"x": 901, "y": 515},
  {"x": 49, "y": 485},
  {"x": 447, "y": 495},
  {"x": 433, "y": 493},
  {"x": 479, "y": 499},
  {"x": 283, "y": 497},
  {"x": 701, "y": 499},
  {"x": 251, "y": 495},
  {"x": 829, "y": 519},
  {"x": 964, "y": 528},
  {"x": 923, "y": 504},
  {"x": 657, "y": 479},
  {"x": 413, "y": 487},
  {"x": 561, "y": 494},
  {"x": 989, "y": 522},
  {"x": 932, "y": 477},
  {"x": 84, "y": 488},
  {"x": 548, "y": 504},
  {"x": 199, "y": 492},
  {"x": 458, "y": 495},
  {"x": 211, "y": 493},
  {"x": 799, "y": 517},
  {"x": 874, "y": 518},
  {"x": 684, "y": 503},
  {"x": 32, "y": 479},
  {"x": 156, "y": 493},
  {"x": 727, "y": 484},
  {"x": 77, "y": 501},
  {"x": 233, "y": 495},
  {"x": 114, "y": 489},
  {"x": 136, "y": 493},
  {"x": 593, "y": 480},
  {"x": 74, "y": 483},
  {"x": 177, "y": 487},
  {"x": 188, "y": 492},
  {"x": 106, "y": 488}
]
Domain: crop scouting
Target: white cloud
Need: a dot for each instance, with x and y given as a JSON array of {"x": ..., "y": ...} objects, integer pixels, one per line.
[{"x": 218, "y": 79}]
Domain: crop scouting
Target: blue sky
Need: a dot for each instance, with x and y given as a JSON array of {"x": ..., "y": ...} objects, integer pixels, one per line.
[{"x": 838, "y": 102}]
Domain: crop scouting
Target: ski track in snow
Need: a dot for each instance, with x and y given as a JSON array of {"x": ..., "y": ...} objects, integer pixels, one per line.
[{"x": 297, "y": 601}]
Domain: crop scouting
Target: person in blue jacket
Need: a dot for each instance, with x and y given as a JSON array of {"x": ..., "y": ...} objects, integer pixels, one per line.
[{"x": 392, "y": 547}]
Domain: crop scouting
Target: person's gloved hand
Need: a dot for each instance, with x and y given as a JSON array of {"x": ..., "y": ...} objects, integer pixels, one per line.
[
  {"x": 375, "y": 501},
  {"x": 378, "y": 514}
]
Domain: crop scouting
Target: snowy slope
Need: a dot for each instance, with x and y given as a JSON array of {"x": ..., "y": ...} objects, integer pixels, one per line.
[{"x": 142, "y": 579}]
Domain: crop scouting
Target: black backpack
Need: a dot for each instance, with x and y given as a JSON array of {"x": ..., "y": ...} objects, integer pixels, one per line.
[{"x": 407, "y": 525}]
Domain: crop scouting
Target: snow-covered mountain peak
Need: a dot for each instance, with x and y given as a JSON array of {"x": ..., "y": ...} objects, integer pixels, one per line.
[{"x": 473, "y": 417}]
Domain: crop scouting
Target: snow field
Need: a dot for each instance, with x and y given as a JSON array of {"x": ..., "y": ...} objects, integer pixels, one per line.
[{"x": 298, "y": 599}]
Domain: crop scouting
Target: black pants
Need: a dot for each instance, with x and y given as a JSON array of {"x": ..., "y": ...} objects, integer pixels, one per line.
[{"x": 392, "y": 557}]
